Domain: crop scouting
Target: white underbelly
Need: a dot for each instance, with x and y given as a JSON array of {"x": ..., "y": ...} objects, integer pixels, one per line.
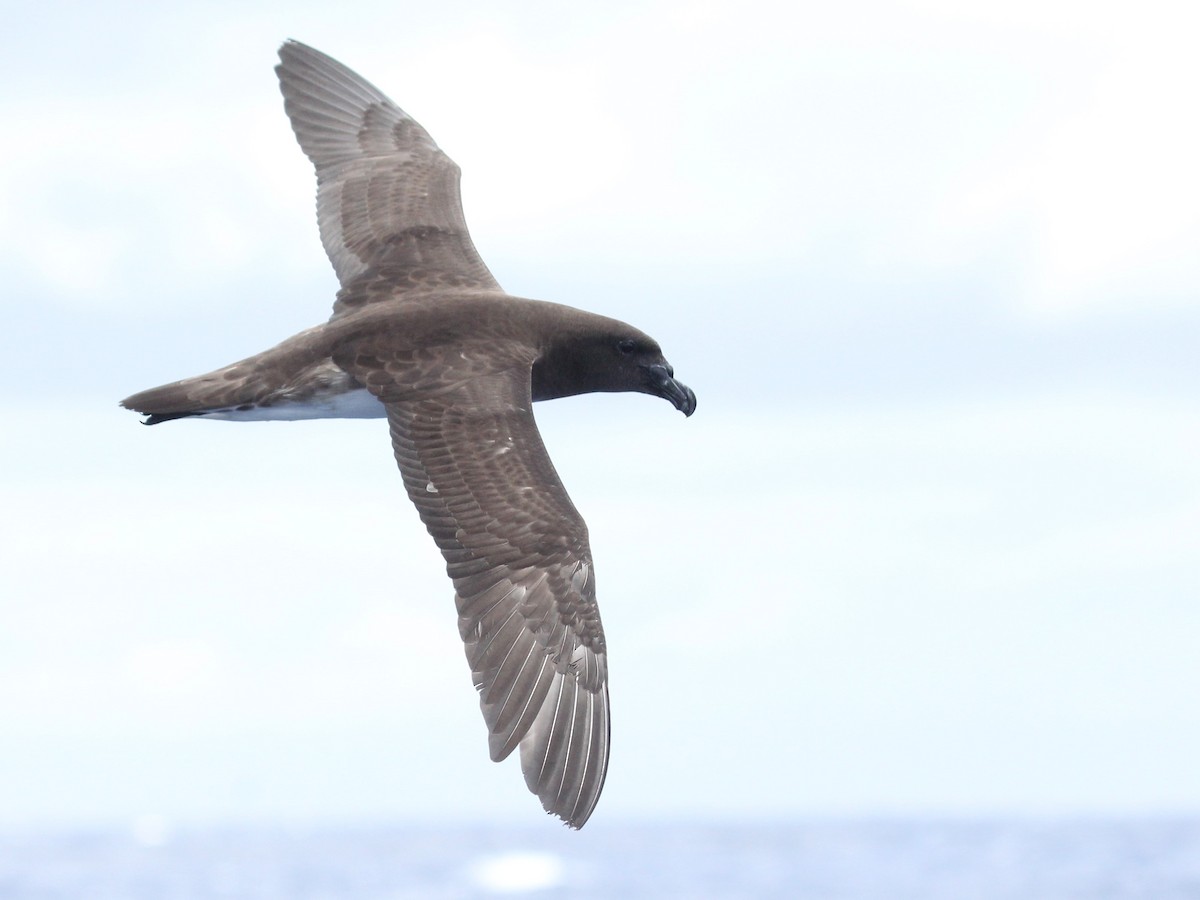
[{"x": 359, "y": 404}]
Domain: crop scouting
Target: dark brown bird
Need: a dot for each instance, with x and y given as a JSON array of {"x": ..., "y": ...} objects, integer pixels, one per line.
[{"x": 422, "y": 334}]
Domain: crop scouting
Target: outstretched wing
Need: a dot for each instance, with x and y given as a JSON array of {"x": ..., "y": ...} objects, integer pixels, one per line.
[
  {"x": 517, "y": 551},
  {"x": 388, "y": 201}
]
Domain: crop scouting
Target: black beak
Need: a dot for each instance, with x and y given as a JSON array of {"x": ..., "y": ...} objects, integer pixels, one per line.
[{"x": 663, "y": 384}]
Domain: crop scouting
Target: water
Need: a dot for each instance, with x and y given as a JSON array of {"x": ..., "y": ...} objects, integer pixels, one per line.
[{"x": 815, "y": 860}]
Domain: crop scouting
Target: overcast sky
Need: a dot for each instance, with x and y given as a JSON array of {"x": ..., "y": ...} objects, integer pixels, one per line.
[{"x": 929, "y": 544}]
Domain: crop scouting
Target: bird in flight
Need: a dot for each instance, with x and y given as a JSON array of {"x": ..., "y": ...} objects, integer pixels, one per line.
[{"x": 422, "y": 335}]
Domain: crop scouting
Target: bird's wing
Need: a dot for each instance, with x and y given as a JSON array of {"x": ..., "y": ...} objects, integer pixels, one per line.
[
  {"x": 517, "y": 550},
  {"x": 388, "y": 201}
]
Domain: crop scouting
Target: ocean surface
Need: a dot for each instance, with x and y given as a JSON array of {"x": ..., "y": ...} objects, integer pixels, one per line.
[{"x": 845, "y": 859}]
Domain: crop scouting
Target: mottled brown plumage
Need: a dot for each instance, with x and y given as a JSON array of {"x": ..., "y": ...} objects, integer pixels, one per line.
[{"x": 422, "y": 334}]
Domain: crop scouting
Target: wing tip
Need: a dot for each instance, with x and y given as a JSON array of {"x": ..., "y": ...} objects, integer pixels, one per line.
[
  {"x": 294, "y": 49},
  {"x": 568, "y": 774},
  {"x": 292, "y": 52}
]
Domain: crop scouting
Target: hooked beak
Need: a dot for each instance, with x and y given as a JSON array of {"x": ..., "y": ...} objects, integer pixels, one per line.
[{"x": 662, "y": 383}]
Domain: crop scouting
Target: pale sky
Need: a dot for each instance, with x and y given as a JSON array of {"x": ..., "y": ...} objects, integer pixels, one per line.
[{"x": 929, "y": 544}]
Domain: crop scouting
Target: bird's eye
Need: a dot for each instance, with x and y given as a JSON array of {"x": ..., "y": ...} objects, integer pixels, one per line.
[{"x": 626, "y": 347}]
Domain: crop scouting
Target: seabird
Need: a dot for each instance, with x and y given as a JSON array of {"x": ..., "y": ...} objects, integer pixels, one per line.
[{"x": 423, "y": 335}]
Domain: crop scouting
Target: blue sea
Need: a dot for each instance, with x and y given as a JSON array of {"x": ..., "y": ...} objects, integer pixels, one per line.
[{"x": 816, "y": 860}]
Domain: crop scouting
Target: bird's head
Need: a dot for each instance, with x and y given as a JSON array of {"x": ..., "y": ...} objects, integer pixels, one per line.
[{"x": 612, "y": 357}]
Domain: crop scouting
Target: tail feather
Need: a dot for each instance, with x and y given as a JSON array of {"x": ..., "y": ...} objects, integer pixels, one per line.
[
  {"x": 156, "y": 418},
  {"x": 286, "y": 382},
  {"x": 224, "y": 389},
  {"x": 294, "y": 371}
]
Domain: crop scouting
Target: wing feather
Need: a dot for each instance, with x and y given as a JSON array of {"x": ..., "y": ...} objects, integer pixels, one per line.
[
  {"x": 388, "y": 202},
  {"x": 517, "y": 550}
]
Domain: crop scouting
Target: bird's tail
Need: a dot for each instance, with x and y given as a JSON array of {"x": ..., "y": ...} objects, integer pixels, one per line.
[{"x": 222, "y": 391}]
